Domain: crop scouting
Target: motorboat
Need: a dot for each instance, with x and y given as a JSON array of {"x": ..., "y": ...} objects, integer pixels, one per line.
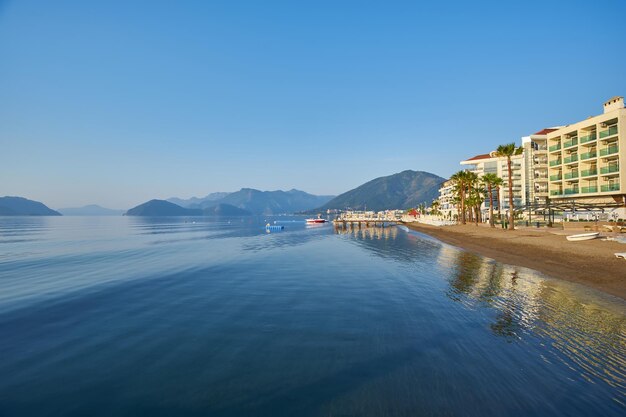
[
  {"x": 315, "y": 221},
  {"x": 583, "y": 236}
]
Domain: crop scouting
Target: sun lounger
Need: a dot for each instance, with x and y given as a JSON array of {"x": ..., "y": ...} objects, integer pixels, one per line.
[{"x": 620, "y": 255}]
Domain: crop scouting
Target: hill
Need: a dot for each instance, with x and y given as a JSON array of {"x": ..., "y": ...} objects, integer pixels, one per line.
[
  {"x": 197, "y": 201},
  {"x": 90, "y": 210},
  {"x": 398, "y": 191},
  {"x": 19, "y": 206},
  {"x": 269, "y": 202},
  {"x": 225, "y": 210},
  {"x": 161, "y": 208}
]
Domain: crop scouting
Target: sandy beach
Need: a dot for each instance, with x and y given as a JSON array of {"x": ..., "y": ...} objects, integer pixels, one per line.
[{"x": 590, "y": 263}]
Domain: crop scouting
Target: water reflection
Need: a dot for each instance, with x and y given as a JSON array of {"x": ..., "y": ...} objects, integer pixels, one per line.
[{"x": 587, "y": 337}]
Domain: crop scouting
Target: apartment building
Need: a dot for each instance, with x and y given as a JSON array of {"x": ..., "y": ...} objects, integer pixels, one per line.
[{"x": 586, "y": 158}]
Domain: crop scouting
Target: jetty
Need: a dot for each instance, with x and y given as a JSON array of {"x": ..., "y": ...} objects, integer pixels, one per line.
[{"x": 367, "y": 219}]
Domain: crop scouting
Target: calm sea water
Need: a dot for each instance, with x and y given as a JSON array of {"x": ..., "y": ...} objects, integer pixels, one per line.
[{"x": 171, "y": 317}]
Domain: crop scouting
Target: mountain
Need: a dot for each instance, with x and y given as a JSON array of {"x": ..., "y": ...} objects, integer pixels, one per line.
[
  {"x": 195, "y": 201},
  {"x": 19, "y": 206},
  {"x": 162, "y": 208},
  {"x": 90, "y": 210},
  {"x": 398, "y": 191},
  {"x": 225, "y": 210},
  {"x": 270, "y": 202}
]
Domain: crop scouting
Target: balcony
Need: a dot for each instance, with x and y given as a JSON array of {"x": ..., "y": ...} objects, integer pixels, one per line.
[
  {"x": 540, "y": 161},
  {"x": 569, "y": 191},
  {"x": 570, "y": 175},
  {"x": 557, "y": 177},
  {"x": 554, "y": 147},
  {"x": 586, "y": 190},
  {"x": 588, "y": 172},
  {"x": 588, "y": 138},
  {"x": 609, "y": 169},
  {"x": 555, "y": 162},
  {"x": 609, "y": 151},
  {"x": 570, "y": 143},
  {"x": 558, "y": 192},
  {"x": 570, "y": 159},
  {"x": 609, "y": 132},
  {"x": 610, "y": 187},
  {"x": 588, "y": 155}
]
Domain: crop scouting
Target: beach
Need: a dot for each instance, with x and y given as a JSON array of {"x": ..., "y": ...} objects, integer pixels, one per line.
[{"x": 591, "y": 263}]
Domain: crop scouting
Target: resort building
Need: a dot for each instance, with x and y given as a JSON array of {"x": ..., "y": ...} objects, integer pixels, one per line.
[
  {"x": 586, "y": 158},
  {"x": 536, "y": 165},
  {"x": 447, "y": 207},
  {"x": 489, "y": 163}
]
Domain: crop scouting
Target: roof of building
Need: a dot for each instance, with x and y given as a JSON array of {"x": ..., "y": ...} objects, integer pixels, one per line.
[
  {"x": 481, "y": 156},
  {"x": 544, "y": 131}
]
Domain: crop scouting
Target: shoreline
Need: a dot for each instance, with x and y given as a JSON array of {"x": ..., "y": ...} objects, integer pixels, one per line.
[{"x": 591, "y": 263}]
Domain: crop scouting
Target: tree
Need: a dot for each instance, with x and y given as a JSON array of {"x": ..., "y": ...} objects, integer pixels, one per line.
[
  {"x": 491, "y": 181},
  {"x": 434, "y": 208},
  {"x": 463, "y": 181},
  {"x": 508, "y": 151}
]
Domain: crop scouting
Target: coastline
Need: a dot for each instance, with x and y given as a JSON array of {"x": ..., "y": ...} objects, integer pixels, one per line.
[{"x": 591, "y": 263}]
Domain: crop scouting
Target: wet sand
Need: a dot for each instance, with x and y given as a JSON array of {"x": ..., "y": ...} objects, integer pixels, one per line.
[{"x": 590, "y": 262}]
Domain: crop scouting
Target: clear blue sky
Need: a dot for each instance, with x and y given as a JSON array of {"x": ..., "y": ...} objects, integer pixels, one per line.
[{"x": 118, "y": 102}]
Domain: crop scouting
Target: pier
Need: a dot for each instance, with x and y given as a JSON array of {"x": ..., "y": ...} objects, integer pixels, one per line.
[{"x": 367, "y": 219}]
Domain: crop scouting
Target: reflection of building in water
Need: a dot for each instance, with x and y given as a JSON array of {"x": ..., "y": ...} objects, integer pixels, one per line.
[
  {"x": 589, "y": 338},
  {"x": 389, "y": 232}
]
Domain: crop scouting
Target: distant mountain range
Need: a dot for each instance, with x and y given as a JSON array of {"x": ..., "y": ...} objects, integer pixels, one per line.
[
  {"x": 195, "y": 201},
  {"x": 398, "y": 191},
  {"x": 90, "y": 210},
  {"x": 162, "y": 208},
  {"x": 258, "y": 202},
  {"x": 19, "y": 206}
]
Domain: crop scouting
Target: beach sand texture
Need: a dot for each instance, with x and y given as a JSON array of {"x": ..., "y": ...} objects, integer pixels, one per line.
[{"x": 592, "y": 262}]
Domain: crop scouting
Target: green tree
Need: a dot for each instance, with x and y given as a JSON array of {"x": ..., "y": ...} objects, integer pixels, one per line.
[
  {"x": 463, "y": 182},
  {"x": 491, "y": 181},
  {"x": 509, "y": 150}
]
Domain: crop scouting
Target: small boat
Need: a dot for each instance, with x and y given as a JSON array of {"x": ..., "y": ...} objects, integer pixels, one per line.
[
  {"x": 315, "y": 221},
  {"x": 583, "y": 236}
]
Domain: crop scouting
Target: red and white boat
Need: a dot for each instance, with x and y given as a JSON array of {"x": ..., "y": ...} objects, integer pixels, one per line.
[{"x": 315, "y": 221}]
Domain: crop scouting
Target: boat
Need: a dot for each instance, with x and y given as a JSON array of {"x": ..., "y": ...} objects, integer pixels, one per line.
[
  {"x": 583, "y": 236},
  {"x": 315, "y": 221}
]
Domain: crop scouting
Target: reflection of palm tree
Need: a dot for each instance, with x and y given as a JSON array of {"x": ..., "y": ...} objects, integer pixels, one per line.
[
  {"x": 491, "y": 181},
  {"x": 465, "y": 276},
  {"x": 508, "y": 151}
]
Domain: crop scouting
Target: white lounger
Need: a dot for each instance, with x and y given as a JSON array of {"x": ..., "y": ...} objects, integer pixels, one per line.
[{"x": 620, "y": 255}]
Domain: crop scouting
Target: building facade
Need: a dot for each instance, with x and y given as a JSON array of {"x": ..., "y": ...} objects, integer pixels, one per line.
[
  {"x": 586, "y": 158},
  {"x": 447, "y": 205}
]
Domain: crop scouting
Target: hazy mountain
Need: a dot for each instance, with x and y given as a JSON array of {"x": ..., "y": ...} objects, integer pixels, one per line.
[
  {"x": 90, "y": 210},
  {"x": 225, "y": 210},
  {"x": 197, "y": 201},
  {"x": 19, "y": 206},
  {"x": 162, "y": 208},
  {"x": 270, "y": 202},
  {"x": 398, "y": 191}
]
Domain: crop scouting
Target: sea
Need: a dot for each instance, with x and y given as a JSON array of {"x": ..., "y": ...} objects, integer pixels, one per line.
[{"x": 137, "y": 316}]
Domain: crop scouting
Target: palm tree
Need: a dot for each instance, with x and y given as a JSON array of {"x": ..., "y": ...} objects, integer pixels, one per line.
[
  {"x": 463, "y": 182},
  {"x": 491, "y": 181},
  {"x": 508, "y": 151},
  {"x": 434, "y": 208}
]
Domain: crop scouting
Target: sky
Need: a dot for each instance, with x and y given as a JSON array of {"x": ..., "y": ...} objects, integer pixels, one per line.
[{"x": 118, "y": 102}]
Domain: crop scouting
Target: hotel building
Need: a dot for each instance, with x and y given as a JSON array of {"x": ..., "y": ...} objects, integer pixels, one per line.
[
  {"x": 489, "y": 163},
  {"x": 585, "y": 159}
]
